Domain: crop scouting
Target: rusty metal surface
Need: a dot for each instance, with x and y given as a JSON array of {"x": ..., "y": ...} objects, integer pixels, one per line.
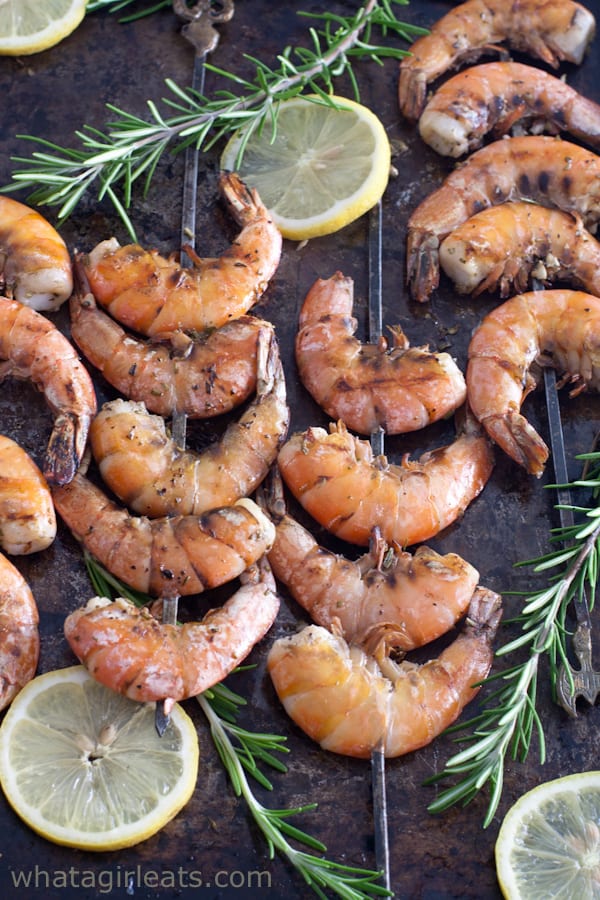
[{"x": 446, "y": 856}]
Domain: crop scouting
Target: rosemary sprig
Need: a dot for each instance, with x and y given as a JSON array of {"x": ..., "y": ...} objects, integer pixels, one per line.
[
  {"x": 507, "y": 724},
  {"x": 242, "y": 751},
  {"x": 113, "y": 6},
  {"x": 130, "y": 147}
]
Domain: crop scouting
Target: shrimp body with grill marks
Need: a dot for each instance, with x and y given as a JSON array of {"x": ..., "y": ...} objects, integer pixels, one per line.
[
  {"x": 549, "y": 30},
  {"x": 27, "y": 517},
  {"x": 351, "y": 703},
  {"x": 168, "y": 556},
  {"x": 35, "y": 265},
  {"x": 493, "y": 97},
  {"x": 387, "y": 598},
  {"x": 370, "y": 386},
  {"x": 336, "y": 478},
  {"x": 504, "y": 246},
  {"x": 127, "y": 649},
  {"x": 548, "y": 170},
  {"x": 205, "y": 376},
  {"x": 560, "y": 328},
  {"x": 152, "y": 475},
  {"x": 32, "y": 348},
  {"x": 155, "y": 296},
  {"x": 19, "y": 634}
]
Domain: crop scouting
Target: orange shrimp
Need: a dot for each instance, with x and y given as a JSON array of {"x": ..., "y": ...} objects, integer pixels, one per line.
[
  {"x": 169, "y": 556},
  {"x": 503, "y": 246},
  {"x": 335, "y": 476},
  {"x": 145, "y": 468},
  {"x": 35, "y": 265},
  {"x": 548, "y": 170},
  {"x": 494, "y": 97},
  {"x": 560, "y": 328},
  {"x": 127, "y": 649},
  {"x": 19, "y": 634},
  {"x": 155, "y": 296},
  {"x": 205, "y": 376},
  {"x": 387, "y": 598},
  {"x": 370, "y": 386},
  {"x": 33, "y": 348},
  {"x": 351, "y": 703},
  {"x": 27, "y": 517},
  {"x": 550, "y": 30}
]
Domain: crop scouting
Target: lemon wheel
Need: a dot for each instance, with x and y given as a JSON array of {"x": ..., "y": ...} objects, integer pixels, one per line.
[
  {"x": 29, "y": 26},
  {"x": 318, "y": 168},
  {"x": 549, "y": 842},
  {"x": 84, "y": 766}
]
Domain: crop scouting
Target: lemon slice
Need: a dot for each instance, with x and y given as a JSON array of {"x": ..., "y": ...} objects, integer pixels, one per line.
[
  {"x": 549, "y": 842},
  {"x": 324, "y": 167},
  {"x": 84, "y": 766},
  {"x": 29, "y": 26}
]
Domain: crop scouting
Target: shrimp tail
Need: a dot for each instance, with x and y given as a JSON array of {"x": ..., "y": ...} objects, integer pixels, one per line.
[
  {"x": 243, "y": 203},
  {"x": 484, "y": 615},
  {"x": 65, "y": 447},
  {"x": 423, "y": 267},
  {"x": 519, "y": 439}
]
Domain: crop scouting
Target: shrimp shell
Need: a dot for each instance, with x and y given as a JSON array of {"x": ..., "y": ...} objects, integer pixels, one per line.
[
  {"x": 125, "y": 648},
  {"x": 560, "y": 328},
  {"x": 27, "y": 517},
  {"x": 351, "y": 704},
  {"x": 346, "y": 489},
  {"x": 19, "y": 635},
  {"x": 32, "y": 348},
  {"x": 495, "y": 96},
  {"x": 370, "y": 386},
  {"x": 386, "y": 598},
  {"x": 548, "y": 170},
  {"x": 145, "y": 468},
  {"x": 35, "y": 264},
  {"x": 156, "y": 296},
  {"x": 550, "y": 30},
  {"x": 212, "y": 374},
  {"x": 501, "y": 247},
  {"x": 169, "y": 556}
]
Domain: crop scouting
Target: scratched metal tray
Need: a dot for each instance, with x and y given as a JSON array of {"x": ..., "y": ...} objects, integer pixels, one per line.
[{"x": 450, "y": 855}]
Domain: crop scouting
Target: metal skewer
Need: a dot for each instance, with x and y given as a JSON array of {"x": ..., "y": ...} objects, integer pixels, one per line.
[
  {"x": 380, "y": 819},
  {"x": 200, "y": 19}
]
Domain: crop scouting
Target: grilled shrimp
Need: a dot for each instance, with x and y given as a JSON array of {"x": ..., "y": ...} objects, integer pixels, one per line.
[
  {"x": 352, "y": 703},
  {"x": 388, "y": 597},
  {"x": 155, "y": 296},
  {"x": 335, "y": 476},
  {"x": 27, "y": 517},
  {"x": 550, "y": 30},
  {"x": 32, "y": 348},
  {"x": 548, "y": 170},
  {"x": 502, "y": 246},
  {"x": 178, "y": 555},
  {"x": 35, "y": 266},
  {"x": 370, "y": 386},
  {"x": 19, "y": 635},
  {"x": 153, "y": 476},
  {"x": 560, "y": 328},
  {"x": 127, "y": 649},
  {"x": 209, "y": 375},
  {"x": 495, "y": 96}
]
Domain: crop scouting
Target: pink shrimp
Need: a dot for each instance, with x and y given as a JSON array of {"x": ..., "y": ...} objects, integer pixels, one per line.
[
  {"x": 551, "y": 30},
  {"x": 127, "y": 649},
  {"x": 494, "y": 97},
  {"x": 27, "y": 517},
  {"x": 554, "y": 327},
  {"x": 335, "y": 476},
  {"x": 548, "y": 170},
  {"x": 19, "y": 634},
  {"x": 351, "y": 703},
  {"x": 370, "y": 386}
]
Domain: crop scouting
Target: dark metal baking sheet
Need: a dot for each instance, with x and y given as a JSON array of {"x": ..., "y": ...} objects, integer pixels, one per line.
[{"x": 214, "y": 839}]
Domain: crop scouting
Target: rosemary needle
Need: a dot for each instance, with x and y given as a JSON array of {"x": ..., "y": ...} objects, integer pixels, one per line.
[
  {"x": 242, "y": 751},
  {"x": 130, "y": 147}
]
